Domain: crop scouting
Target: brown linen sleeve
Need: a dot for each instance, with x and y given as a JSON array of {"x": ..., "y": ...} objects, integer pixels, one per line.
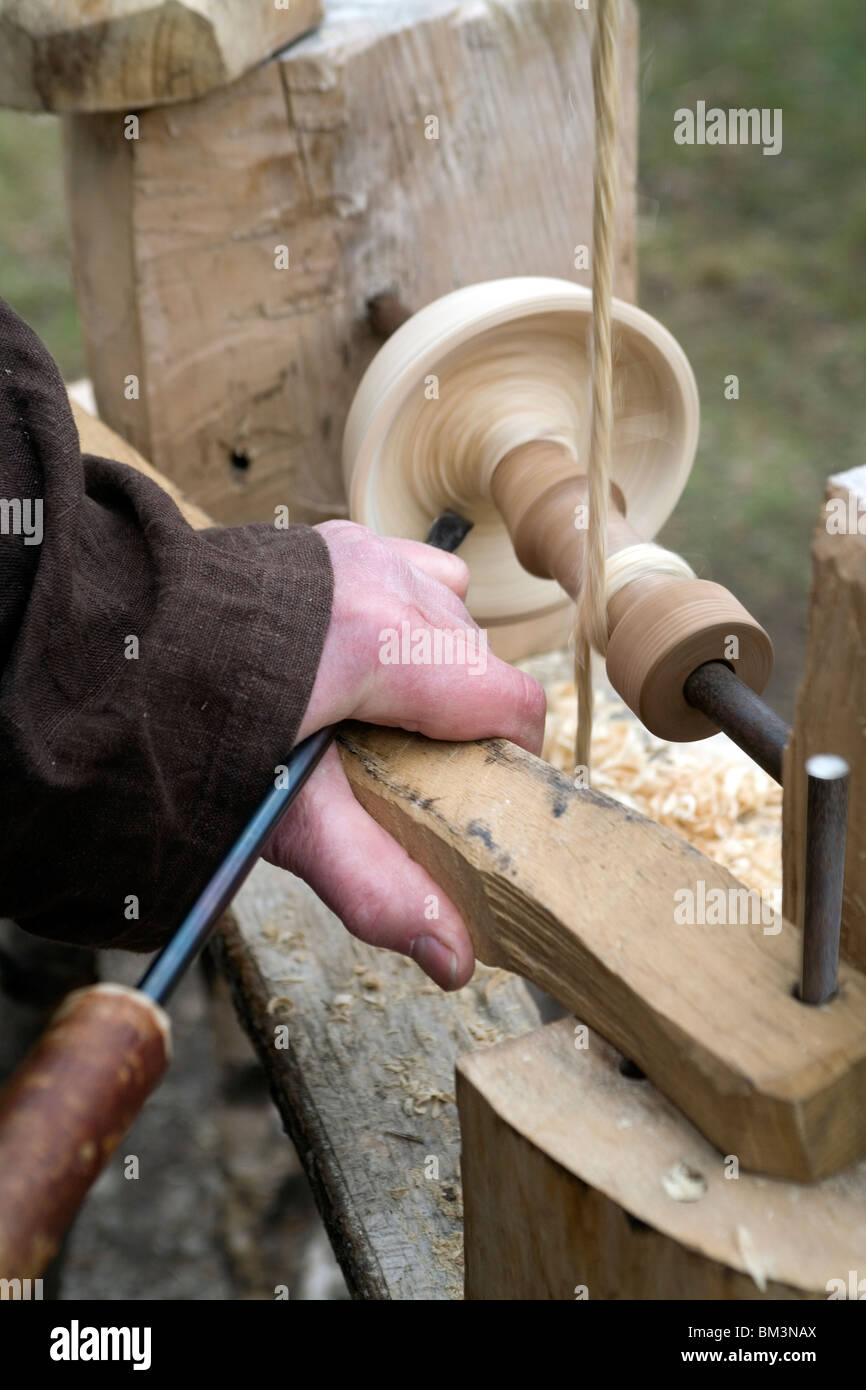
[{"x": 152, "y": 677}]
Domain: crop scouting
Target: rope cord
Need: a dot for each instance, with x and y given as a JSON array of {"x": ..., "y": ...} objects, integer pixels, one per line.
[{"x": 591, "y": 617}]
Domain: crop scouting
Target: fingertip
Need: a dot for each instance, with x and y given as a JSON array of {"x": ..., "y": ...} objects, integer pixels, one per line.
[
  {"x": 459, "y": 572},
  {"x": 436, "y": 959},
  {"x": 441, "y": 962}
]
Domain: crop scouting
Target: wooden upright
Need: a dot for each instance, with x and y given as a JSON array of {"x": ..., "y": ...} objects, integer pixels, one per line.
[
  {"x": 830, "y": 715},
  {"x": 225, "y": 257}
]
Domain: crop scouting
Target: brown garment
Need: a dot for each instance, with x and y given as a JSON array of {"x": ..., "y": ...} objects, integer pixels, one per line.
[{"x": 121, "y": 777}]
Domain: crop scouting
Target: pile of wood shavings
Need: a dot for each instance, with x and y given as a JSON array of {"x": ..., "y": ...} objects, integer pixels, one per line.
[{"x": 711, "y": 793}]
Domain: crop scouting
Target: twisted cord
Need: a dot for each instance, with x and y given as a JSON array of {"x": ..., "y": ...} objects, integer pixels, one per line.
[{"x": 591, "y": 616}]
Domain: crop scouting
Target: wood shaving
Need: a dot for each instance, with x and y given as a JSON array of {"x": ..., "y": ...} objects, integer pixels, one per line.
[
  {"x": 751, "y": 1258},
  {"x": 277, "y": 936},
  {"x": 420, "y": 1093},
  {"x": 279, "y": 1001},
  {"x": 375, "y": 1001},
  {"x": 683, "y": 1183},
  {"x": 492, "y": 978},
  {"x": 485, "y": 1032},
  {"x": 710, "y": 792},
  {"x": 448, "y": 1250}
]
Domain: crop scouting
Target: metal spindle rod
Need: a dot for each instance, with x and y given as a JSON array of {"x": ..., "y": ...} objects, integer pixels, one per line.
[
  {"x": 166, "y": 972},
  {"x": 828, "y": 778},
  {"x": 718, "y": 693}
]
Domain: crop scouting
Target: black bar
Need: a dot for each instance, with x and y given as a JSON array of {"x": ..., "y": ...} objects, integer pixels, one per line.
[
  {"x": 828, "y": 777},
  {"x": 166, "y": 972},
  {"x": 718, "y": 693},
  {"x": 449, "y": 531}
]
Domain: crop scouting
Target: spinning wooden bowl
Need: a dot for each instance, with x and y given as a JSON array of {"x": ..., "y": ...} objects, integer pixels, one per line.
[{"x": 479, "y": 404}]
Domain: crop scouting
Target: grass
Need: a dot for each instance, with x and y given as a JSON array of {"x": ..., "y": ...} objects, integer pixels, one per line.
[
  {"x": 35, "y": 273},
  {"x": 756, "y": 264}
]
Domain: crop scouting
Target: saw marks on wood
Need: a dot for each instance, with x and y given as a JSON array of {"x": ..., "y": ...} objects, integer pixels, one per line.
[{"x": 324, "y": 150}]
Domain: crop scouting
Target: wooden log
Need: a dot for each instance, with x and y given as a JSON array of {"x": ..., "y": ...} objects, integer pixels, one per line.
[
  {"x": 363, "y": 1077},
  {"x": 578, "y": 894},
  {"x": 580, "y": 1182},
  {"x": 119, "y": 55},
  {"x": 830, "y": 713},
  {"x": 246, "y": 370}
]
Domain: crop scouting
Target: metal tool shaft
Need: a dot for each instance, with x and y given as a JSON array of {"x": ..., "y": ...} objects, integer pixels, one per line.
[
  {"x": 718, "y": 693},
  {"x": 167, "y": 970}
]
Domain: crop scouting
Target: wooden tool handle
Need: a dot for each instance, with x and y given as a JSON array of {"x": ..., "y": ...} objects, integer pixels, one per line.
[
  {"x": 65, "y": 1110},
  {"x": 660, "y": 628}
]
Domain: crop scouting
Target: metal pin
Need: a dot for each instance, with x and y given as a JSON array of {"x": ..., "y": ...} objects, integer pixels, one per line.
[
  {"x": 826, "y": 830},
  {"x": 740, "y": 713}
]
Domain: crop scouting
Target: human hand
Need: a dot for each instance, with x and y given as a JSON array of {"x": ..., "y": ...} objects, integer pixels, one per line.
[{"x": 327, "y": 838}]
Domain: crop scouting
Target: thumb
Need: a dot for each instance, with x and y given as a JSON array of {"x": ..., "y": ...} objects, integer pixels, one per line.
[{"x": 381, "y": 895}]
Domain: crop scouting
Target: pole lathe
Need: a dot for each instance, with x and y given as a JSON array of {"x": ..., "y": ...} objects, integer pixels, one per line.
[
  {"x": 511, "y": 508},
  {"x": 478, "y": 404},
  {"x": 721, "y": 696}
]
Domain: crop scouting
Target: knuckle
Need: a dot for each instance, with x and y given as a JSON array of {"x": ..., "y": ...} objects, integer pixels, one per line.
[
  {"x": 347, "y": 538},
  {"x": 363, "y": 914},
  {"x": 337, "y": 527},
  {"x": 531, "y": 702}
]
